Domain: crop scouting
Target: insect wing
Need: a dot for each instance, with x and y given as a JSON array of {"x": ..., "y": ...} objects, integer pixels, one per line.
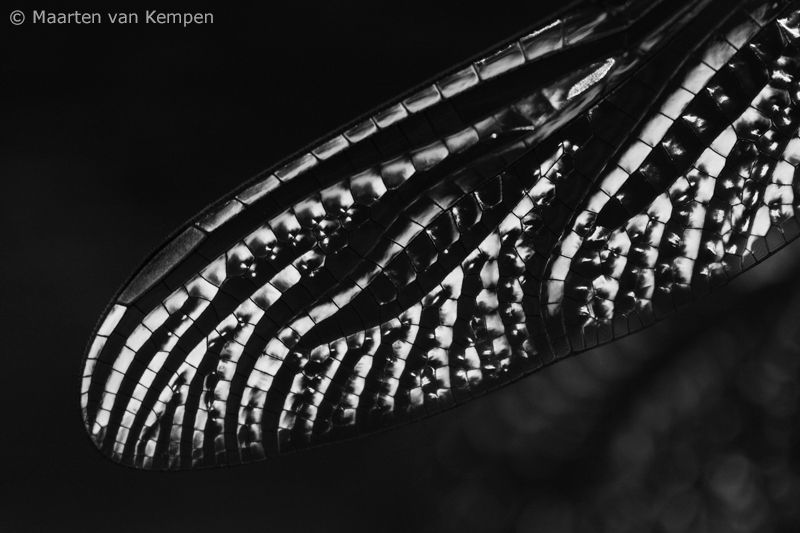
[{"x": 573, "y": 186}]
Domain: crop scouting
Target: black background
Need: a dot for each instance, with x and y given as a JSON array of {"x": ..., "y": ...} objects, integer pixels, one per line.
[{"x": 112, "y": 136}]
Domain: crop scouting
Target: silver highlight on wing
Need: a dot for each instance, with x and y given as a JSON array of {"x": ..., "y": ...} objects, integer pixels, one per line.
[{"x": 567, "y": 189}]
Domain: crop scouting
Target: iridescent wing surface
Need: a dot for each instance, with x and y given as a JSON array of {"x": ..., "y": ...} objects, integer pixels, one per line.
[{"x": 575, "y": 185}]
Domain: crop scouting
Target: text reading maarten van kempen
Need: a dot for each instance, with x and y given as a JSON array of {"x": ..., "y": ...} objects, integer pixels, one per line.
[{"x": 148, "y": 17}]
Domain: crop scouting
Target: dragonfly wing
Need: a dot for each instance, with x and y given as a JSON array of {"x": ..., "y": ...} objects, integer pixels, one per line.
[{"x": 573, "y": 186}]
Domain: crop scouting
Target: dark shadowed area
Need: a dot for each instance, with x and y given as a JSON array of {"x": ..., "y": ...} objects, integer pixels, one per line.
[{"x": 112, "y": 136}]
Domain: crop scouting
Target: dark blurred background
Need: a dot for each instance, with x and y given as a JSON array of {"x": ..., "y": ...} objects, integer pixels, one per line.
[{"x": 113, "y": 136}]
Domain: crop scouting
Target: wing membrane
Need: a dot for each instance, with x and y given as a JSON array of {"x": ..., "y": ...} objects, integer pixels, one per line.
[{"x": 569, "y": 188}]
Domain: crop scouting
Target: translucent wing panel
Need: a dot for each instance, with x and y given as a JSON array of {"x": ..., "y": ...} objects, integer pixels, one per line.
[{"x": 569, "y": 188}]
